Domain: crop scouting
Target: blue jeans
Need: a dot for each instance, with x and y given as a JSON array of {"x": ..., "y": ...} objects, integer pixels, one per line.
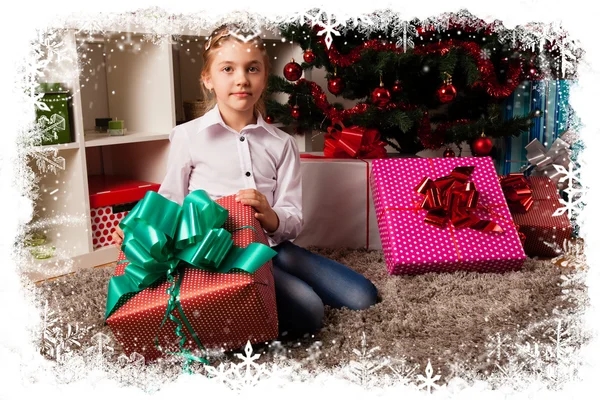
[{"x": 305, "y": 282}]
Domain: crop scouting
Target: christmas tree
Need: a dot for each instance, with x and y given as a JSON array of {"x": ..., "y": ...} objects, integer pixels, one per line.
[{"x": 420, "y": 84}]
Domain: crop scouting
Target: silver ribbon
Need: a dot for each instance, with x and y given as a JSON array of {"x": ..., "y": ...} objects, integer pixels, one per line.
[{"x": 542, "y": 161}]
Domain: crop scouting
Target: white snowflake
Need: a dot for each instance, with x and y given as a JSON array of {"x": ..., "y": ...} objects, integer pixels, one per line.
[
  {"x": 511, "y": 373},
  {"x": 329, "y": 29},
  {"x": 58, "y": 343},
  {"x": 485, "y": 54},
  {"x": 47, "y": 159},
  {"x": 569, "y": 55},
  {"x": 247, "y": 373},
  {"x": 550, "y": 351},
  {"x": 575, "y": 192},
  {"x": 51, "y": 126},
  {"x": 363, "y": 370},
  {"x": 101, "y": 351},
  {"x": 403, "y": 372},
  {"x": 498, "y": 345},
  {"x": 429, "y": 379},
  {"x": 573, "y": 284},
  {"x": 309, "y": 17},
  {"x": 533, "y": 354},
  {"x": 407, "y": 34}
]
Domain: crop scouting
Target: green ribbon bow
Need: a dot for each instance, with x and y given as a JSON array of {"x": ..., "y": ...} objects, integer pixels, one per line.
[{"x": 160, "y": 236}]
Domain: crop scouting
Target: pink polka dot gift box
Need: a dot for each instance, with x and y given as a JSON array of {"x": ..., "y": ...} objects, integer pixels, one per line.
[
  {"x": 443, "y": 215},
  {"x": 225, "y": 310},
  {"x": 111, "y": 198}
]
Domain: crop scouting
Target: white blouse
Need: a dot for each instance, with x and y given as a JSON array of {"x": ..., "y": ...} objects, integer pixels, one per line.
[{"x": 207, "y": 154}]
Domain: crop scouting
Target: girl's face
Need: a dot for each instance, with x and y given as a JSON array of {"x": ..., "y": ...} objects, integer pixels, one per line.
[{"x": 237, "y": 75}]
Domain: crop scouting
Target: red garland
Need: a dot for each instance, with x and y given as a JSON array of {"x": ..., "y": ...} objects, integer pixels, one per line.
[
  {"x": 431, "y": 140},
  {"x": 488, "y": 79},
  {"x": 354, "y": 56},
  {"x": 332, "y": 113}
]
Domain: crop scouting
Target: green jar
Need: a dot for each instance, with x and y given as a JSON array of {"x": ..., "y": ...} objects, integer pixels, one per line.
[{"x": 55, "y": 122}]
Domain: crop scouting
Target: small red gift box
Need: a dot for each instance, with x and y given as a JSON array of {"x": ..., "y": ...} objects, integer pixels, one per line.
[
  {"x": 226, "y": 310},
  {"x": 111, "y": 199},
  {"x": 544, "y": 233}
]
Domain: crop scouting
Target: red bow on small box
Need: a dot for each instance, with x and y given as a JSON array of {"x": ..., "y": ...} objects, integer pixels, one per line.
[
  {"x": 353, "y": 142},
  {"x": 517, "y": 191},
  {"x": 453, "y": 198}
]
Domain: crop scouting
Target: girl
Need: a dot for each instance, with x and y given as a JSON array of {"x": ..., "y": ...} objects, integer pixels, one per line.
[{"x": 232, "y": 149}]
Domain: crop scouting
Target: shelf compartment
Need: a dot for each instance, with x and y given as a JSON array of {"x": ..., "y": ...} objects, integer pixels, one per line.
[
  {"x": 129, "y": 79},
  {"x": 60, "y": 211}
]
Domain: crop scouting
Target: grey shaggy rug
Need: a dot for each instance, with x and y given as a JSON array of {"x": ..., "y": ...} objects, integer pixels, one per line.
[{"x": 450, "y": 319}]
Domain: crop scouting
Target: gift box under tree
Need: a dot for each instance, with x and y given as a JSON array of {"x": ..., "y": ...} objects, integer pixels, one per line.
[
  {"x": 457, "y": 220},
  {"x": 222, "y": 310},
  {"x": 337, "y": 204},
  {"x": 533, "y": 202}
]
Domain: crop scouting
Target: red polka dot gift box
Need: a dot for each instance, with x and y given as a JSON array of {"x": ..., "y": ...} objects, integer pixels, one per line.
[
  {"x": 111, "y": 199},
  {"x": 545, "y": 233},
  {"x": 225, "y": 310},
  {"x": 443, "y": 215}
]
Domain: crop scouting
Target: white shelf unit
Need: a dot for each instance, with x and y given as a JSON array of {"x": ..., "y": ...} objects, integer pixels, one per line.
[{"x": 143, "y": 84}]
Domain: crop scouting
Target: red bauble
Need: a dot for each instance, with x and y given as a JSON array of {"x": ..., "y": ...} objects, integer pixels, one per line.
[
  {"x": 446, "y": 93},
  {"x": 380, "y": 96},
  {"x": 296, "y": 112},
  {"x": 336, "y": 85},
  {"x": 269, "y": 119},
  {"x": 309, "y": 56},
  {"x": 397, "y": 88},
  {"x": 482, "y": 146},
  {"x": 449, "y": 153},
  {"x": 292, "y": 71}
]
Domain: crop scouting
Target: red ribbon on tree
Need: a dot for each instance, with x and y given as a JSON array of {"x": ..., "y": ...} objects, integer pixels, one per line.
[
  {"x": 517, "y": 191},
  {"x": 453, "y": 199},
  {"x": 353, "y": 142}
]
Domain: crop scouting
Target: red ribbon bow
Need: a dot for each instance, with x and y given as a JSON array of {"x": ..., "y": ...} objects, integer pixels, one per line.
[
  {"x": 517, "y": 191},
  {"x": 453, "y": 199},
  {"x": 353, "y": 142}
]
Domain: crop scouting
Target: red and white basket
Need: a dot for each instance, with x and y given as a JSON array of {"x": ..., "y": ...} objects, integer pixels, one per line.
[{"x": 111, "y": 199}]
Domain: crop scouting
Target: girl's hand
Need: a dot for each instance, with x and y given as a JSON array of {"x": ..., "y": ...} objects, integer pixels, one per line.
[
  {"x": 265, "y": 215},
  {"x": 118, "y": 236}
]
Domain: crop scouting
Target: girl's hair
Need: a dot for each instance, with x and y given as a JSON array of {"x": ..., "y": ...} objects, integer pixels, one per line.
[{"x": 215, "y": 41}]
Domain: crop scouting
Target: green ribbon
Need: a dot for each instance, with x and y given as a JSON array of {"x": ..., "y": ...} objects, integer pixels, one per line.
[{"x": 162, "y": 237}]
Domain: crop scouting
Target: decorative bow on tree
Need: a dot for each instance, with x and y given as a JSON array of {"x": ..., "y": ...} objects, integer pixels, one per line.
[{"x": 353, "y": 142}]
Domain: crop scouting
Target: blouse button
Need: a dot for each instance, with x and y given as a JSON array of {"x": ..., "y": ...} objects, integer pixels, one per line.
[
  {"x": 242, "y": 138},
  {"x": 248, "y": 173}
]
